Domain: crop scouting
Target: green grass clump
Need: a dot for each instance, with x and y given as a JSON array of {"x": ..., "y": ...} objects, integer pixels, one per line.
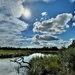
[
  {"x": 52, "y": 65},
  {"x": 61, "y": 64}
]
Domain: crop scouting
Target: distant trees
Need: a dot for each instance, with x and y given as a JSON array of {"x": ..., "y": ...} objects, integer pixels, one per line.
[{"x": 33, "y": 49}]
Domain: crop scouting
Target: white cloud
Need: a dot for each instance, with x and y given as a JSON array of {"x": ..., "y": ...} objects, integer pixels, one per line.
[
  {"x": 39, "y": 0},
  {"x": 53, "y": 25},
  {"x": 10, "y": 26},
  {"x": 10, "y": 32},
  {"x": 43, "y": 40},
  {"x": 67, "y": 26},
  {"x": 73, "y": 17},
  {"x": 47, "y": 0},
  {"x": 73, "y": 20},
  {"x": 38, "y": 37},
  {"x": 41, "y": 44},
  {"x": 74, "y": 24},
  {"x": 11, "y": 7},
  {"x": 44, "y": 13}
]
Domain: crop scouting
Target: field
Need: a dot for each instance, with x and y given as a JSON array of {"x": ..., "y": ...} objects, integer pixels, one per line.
[{"x": 16, "y": 53}]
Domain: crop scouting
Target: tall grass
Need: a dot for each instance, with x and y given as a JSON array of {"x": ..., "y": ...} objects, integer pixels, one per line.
[
  {"x": 62, "y": 64},
  {"x": 50, "y": 65}
]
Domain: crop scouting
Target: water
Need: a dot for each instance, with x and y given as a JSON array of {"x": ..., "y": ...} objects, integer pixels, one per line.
[{"x": 8, "y": 67}]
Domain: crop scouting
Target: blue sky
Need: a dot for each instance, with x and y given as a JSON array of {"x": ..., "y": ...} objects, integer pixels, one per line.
[{"x": 37, "y": 23}]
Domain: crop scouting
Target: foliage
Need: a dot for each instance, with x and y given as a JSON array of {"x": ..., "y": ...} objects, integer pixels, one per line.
[
  {"x": 49, "y": 65},
  {"x": 62, "y": 64},
  {"x": 69, "y": 59}
]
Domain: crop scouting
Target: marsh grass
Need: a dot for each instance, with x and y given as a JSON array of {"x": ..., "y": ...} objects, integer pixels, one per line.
[
  {"x": 61, "y": 64},
  {"x": 17, "y": 53},
  {"x": 50, "y": 64}
]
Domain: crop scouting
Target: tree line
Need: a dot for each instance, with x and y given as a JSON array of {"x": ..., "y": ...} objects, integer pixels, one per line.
[{"x": 44, "y": 48}]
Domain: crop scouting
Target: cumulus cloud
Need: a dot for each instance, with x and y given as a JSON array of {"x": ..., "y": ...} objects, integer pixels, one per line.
[
  {"x": 67, "y": 26},
  {"x": 41, "y": 44},
  {"x": 53, "y": 25},
  {"x": 38, "y": 37},
  {"x": 74, "y": 17},
  {"x": 39, "y": 0},
  {"x": 10, "y": 26},
  {"x": 44, "y": 40},
  {"x": 73, "y": 20},
  {"x": 73, "y": 24},
  {"x": 44, "y": 13},
  {"x": 11, "y": 7},
  {"x": 48, "y": 0}
]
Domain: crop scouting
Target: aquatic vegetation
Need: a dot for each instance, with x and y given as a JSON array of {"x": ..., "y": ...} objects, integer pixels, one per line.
[
  {"x": 61, "y": 64},
  {"x": 41, "y": 65}
]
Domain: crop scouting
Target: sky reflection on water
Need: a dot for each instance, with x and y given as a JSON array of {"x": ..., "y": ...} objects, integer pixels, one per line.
[{"x": 10, "y": 68}]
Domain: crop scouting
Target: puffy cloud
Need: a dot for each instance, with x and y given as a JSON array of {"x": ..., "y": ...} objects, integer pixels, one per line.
[
  {"x": 74, "y": 17},
  {"x": 74, "y": 24},
  {"x": 48, "y": 0},
  {"x": 11, "y": 7},
  {"x": 38, "y": 37},
  {"x": 44, "y": 13},
  {"x": 10, "y": 26},
  {"x": 53, "y": 25},
  {"x": 41, "y": 44},
  {"x": 39, "y": 0},
  {"x": 44, "y": 40},
  {"x": 67, "y": 26},
  {"x": 11, "y": 40},
  {"x": 73, "y": 20},
  {"x": 50, "y": 27}
]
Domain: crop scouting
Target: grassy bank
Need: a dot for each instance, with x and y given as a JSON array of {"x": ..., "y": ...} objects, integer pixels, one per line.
[
  {"x": 45, "y": 65},
  {"x": 17, "y": 53},
  {"x": 62, "y": 64}
]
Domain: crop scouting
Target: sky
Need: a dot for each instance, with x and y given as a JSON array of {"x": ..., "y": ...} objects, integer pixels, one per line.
[{"x": 37, "y": 23}]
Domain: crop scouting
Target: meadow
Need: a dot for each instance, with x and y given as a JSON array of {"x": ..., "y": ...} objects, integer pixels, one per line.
[
  {"x": 18, "y": 53},
  {"x": 9, "y": 52}
]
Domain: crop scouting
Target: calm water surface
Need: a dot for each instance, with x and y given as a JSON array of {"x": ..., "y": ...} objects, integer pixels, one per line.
[{"x": 12, "y": 68}]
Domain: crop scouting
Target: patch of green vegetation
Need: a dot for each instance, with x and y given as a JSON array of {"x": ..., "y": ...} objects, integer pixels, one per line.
[
  {"x": 62, "y": 64},
  {"x": 50, "y": 65},
  {"x": 14, "y": 53}
]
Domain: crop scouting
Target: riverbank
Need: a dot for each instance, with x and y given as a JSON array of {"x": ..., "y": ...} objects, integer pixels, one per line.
[
  {"x": 61, "y": 64},
  {"x": 45, "y": 65},
  {"x": 19, "y": 53}
]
